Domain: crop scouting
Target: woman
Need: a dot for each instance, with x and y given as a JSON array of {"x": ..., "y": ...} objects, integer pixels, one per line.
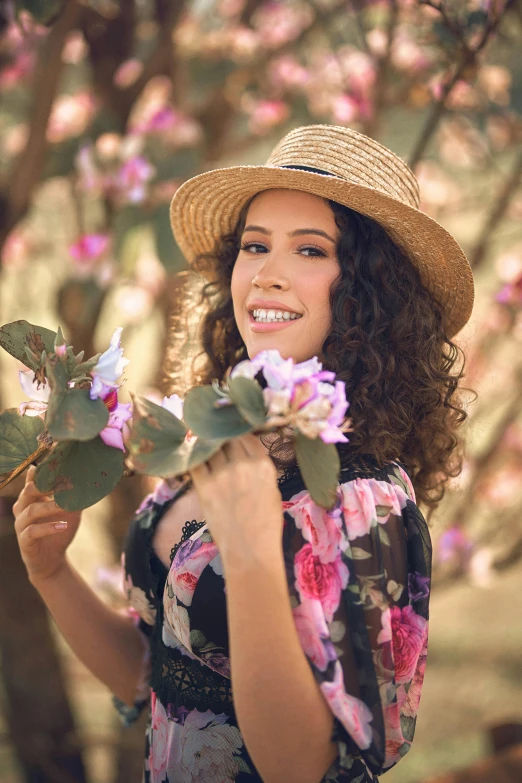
[{"x": 283, "y": 642}]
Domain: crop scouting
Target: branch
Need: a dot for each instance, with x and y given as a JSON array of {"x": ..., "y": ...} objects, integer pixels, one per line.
[
  {"x": 381, "y": 79},
  {"x": 42, "y": 449},
  {"x": 468, "y": 60},
  {"x": 27, "y": 170},
  {"x": 498, "y": 211}
]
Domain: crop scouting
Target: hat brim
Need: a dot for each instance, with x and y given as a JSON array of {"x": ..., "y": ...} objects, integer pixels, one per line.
[{"x": 207, "y": 207}]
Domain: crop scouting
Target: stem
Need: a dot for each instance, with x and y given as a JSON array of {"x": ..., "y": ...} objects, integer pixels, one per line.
[{"x": 42, "y": 449}]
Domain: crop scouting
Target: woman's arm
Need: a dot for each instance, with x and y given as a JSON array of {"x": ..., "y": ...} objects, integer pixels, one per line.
[
  {"x": 283, "y": 716},
  {"x": 107, "y": 643}
]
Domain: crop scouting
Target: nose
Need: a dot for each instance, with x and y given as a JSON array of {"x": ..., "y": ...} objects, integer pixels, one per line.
[{"x": 271, "y": 274}]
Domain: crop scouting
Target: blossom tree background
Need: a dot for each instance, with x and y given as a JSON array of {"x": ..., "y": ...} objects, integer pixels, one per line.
[{"x": 106, "y": 108}]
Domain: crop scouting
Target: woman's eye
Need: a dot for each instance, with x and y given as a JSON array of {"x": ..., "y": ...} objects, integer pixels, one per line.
[
  {"x": 316, "y": 250},
  {"x": 309, "y": 250},
  {"x": 250, "y": 245}
]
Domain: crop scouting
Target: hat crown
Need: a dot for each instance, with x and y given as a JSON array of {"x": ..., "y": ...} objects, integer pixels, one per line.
[{"x": 350, "y": 156}]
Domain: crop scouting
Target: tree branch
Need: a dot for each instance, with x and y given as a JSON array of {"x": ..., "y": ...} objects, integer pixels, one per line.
[
  {"x": 27, "y": 170},
  {"x": 468, "y": 60},
  {"x": 496, "y": 214}
]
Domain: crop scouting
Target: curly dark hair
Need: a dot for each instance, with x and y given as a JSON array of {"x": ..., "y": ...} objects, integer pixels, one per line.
[{"x": 386, "y": 342}]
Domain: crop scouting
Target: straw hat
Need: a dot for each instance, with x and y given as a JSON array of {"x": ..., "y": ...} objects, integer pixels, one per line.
[{"x": 345, "y": 166}]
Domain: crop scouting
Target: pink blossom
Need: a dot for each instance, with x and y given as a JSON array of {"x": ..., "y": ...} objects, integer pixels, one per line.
[
  {"x": 319, "y": 526},
  {"x": 350, "y": 711},
  {"x": 322, "y": 581},
  {"x": 128, "y": 72},
  {"x": 89, "y": 248},
  {"x": 15, "y": 250},
  {"x": 313, "y": 633},
  {"x": 409, "y": 630},
  {"x": 267, "y": 114},
  {"x": 344, "y": 109},
  {"x": 286, "y": 71},
  {"x": 132, "y": 178},
  {"x": 112, "y": 435},
  {"x": 511, "y": 293},
  {"x": 70, "y": 116},
  {"x": 174, "y": 404},
  {"x": 454, "y": 543}
]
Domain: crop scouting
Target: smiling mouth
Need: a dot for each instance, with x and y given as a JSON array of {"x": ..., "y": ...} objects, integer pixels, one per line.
[{"x": 260, "y": 316}]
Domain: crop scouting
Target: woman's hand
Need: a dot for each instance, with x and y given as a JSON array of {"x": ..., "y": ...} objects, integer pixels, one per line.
[
  {"x": 42, "y": 543},
  {"x": 241, "y": 502}
]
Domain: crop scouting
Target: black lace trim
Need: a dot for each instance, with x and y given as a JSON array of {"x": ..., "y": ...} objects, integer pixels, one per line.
[
  {"x": 189, "y": 528},
  {"x": 179, "y": 681}
]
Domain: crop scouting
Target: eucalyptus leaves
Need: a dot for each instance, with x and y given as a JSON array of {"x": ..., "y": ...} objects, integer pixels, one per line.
[{"x": 77, "y": 424}]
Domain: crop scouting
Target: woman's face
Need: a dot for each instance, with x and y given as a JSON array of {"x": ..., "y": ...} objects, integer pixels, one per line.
[{"x": 287, "y": 264}]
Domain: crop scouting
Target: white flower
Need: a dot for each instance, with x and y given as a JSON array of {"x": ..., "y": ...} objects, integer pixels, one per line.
[
  {"x": 38, "y": 392},
  {"x": 110, "y": 366},
  {"x": 174, "y": 404}
]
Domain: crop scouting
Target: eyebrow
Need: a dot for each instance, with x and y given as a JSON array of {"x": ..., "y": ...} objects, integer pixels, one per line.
[{"x": 296, "y": 233}]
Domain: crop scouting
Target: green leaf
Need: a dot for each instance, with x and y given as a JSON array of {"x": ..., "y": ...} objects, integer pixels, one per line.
[
  {"x": 383, "y": 535},
  {"x": 320, "y": 467},
  {"x": 80, "y": 474},
  {"x": 154, "y": 437},
  {"x": 84, "y": 367},
  {"x": 77, "y": 417},
  {"x": 248, "y": 398},
  {"x": 18, "y": 438},
  {"x": 15, "y": 337},
  {"x": 209, "y": 422},
  {"x": 383, "y": 511},
  {"x": 359, "y": 554}
]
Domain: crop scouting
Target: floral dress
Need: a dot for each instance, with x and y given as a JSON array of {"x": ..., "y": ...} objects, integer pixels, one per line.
[{"x": 358, "y": 580}]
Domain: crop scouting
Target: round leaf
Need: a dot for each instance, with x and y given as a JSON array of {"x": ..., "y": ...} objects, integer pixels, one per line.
[
  {"x": 77, "y": 417},
  {"x": 15, "y": 337},
  {"x": 18, "y": 438},
  {"x": 154, "y": 437},
  {"x": 210, "y": 422},
  {"x": 248, "y": 398},
  {"x": 320, "y": 468},
  {"x": 80, "y": 474}
]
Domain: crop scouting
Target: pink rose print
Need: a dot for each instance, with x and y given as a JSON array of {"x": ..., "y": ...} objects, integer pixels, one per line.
[
  {"x": 159, "y": 746},
  {"x": 358, "y": 508},
  {"x": 205, "y": 750},
  {"x": 408, "y": 635},
  {"x": 320, "y": 527},
  {"x": 389, "y": 497},
  {"x": 313, "y": 633},
  {"x": 187, "y": 566},
  {"x": 411, "y": 703},
  {"x": 322, "y": 581},
  {"x": 351, "y": 711}
]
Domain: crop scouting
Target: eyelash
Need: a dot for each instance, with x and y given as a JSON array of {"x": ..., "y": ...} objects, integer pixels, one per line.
[{"x": 318, "y": 250}]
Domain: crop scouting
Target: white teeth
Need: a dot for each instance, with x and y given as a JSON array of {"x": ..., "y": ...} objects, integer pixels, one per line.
[{"x": 266, "y": 316}]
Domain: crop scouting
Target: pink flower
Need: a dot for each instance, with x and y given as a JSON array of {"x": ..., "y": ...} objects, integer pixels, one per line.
[
  {"x": 88, "y": 249},
  {"x": 408, "y": 636},
  {"x": 159, "y": 746},
  {"x": 132, "y": 178},
  {"x": 313, "y": 633},
  {"x": 322, "y": 581},
  {"x": 351, "y": 711},
  {"x": 111, "y": 435},
  {"x": 267, "y": 114},
  {"x": 344, "y": 109},
  {"x": 320, "y": 527}
]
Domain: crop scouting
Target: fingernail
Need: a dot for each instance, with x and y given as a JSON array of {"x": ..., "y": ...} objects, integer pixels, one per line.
[{"x": 60, "y": 525}]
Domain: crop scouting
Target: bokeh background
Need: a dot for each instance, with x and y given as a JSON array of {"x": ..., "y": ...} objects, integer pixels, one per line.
[{"x": 106, "y": 108}]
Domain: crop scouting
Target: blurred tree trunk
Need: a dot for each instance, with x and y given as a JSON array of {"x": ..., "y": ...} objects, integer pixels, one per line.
[{"x": 38, "y": 713}]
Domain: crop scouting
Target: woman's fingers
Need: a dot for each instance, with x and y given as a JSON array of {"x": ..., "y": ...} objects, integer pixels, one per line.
[
  {"x": 44, "y": 510},
  {"x": 35, "y": 532}
]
